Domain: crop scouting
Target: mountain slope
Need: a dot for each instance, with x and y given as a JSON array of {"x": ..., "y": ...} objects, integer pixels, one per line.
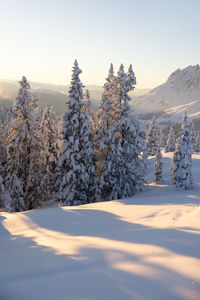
[{"x": 182, "y": 87}]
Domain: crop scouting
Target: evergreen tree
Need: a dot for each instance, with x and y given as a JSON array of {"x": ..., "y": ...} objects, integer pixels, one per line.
[
  {"x": 16, "y": 193},
  {"x": 2, "y": 191},
  {"x": 171, "y": 141},
  {"x": 197, "y": 143},
  {"x": 182, "y": 160},
  {"x": 154, "y": 137},
  {"x": 24, "y": 159},
  {"x": 76, "y": 163},
  {"x": 105, "y": 142},
  {"x": 48, "y": 132},
  {"x": 158, "y": 166},
  {"x": 192, "y": 137},
  {"x": 121, "y": 161},
  {"x": 3, "y": 156}
]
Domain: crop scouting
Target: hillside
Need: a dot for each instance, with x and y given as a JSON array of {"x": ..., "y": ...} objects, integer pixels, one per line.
[
  {"x": 141, "y": 248},
  {"x": 56, "y": 95},
  {"x": 182, "y": 88}
]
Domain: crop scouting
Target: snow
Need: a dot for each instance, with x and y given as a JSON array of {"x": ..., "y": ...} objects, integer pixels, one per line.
[
  {"x": 180, "y": 92},
  {"x": 142, "y": 248}
]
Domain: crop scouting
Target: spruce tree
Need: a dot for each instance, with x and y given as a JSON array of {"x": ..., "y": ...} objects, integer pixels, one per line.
[
  {"x": 76, "y": 164},
  {"x": 192, "y": 137},
  {"x": 158, "y": 166},
  {"x": 197, "y": 143},
  {"x": 3, "y": 155},
  {"x": 121, "y": 160},
  {"x": 23, "y": 149},
  {"x": 48, "y": 132},
  {"x": 105, "y": 142},
  {"x": 16, "y": 193},
  {"x": 131, "y": 161},
  {"x": 2, "y": 191},
  {"x": 171, "y": 141},
  {"x": 154, "y": 137},
  {"x": 182, "y": 161}
]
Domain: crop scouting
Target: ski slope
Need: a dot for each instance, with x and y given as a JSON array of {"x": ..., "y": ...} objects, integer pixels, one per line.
[{"x": 142, "y": 248}]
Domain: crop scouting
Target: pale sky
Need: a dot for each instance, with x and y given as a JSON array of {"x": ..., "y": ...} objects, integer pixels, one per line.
[{"x": 41, "y": 38}]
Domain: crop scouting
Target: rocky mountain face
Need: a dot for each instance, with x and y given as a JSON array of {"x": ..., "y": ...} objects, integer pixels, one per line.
[{"x": 179, "y": 93}]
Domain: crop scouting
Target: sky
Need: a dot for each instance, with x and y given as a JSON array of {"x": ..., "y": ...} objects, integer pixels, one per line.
[{"x": 41, "y": 38}]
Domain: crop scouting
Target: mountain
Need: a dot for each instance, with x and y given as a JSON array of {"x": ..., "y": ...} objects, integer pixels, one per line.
[
  {"x": 56, "y": 95},
  {"x": 181, "y": 92}
]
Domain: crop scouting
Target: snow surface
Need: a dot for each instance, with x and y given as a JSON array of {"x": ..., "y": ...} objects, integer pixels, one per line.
[{"x": 143, "y": 248}]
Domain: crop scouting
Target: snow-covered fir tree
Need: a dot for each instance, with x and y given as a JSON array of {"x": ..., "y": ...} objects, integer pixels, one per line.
[
  {"x": 182, "y": 161},
  {"x": 49, "y": 135},
  {"x": 2, "y": 191},
  {"x": 171, "y": 141},
  {"x": 129, "y": 148},
  {"x": 23, "y": 149},
  {"x": 105, "y": 147},
  {"x": 192, "y": 136},
  {"x": 154, "y": 137},
  {"x": 197, "y": 143},
  {"x": 158, "y": 165},
  {"x": 17, "y": 198},
  {"x": 122, "y": 166},
  {"x": 88, "y": 103},
  {"x": 76, "y": 164},
  {"x": 6, "y": 115},
  {"x": 3, "y": 155}
]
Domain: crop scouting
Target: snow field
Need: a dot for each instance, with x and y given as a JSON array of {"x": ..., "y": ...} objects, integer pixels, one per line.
[{"x": 141, "y": 248}]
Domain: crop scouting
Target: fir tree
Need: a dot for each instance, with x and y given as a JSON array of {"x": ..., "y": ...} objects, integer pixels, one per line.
[
  {"x": 154, "y": 137},
  {"x": 197, "y": 143},
  {"x": 16, "y": 193},
  {"x": 171, "y": 141},
  {"x": 2, "y": 191},
  {"x": 24, "y": 160},
  {"x": 158, "y": 166},
  {"x": 182, "y": 160},
  {"x": 48, "y": 132},
  {"x": 128, "y": 146},
  {"x": 192, "y": 137},
  {"x": 121, "y": 160},
  {"x": 105, "y": 142},
  {"x": 76, "y": 163},
  {"x": 3, "y": 155}
]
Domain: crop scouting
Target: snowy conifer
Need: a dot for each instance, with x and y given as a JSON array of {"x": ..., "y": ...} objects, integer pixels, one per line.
[
  {"x": 171, "y": 141},
  {"x": 131, "y": 163},
  {"x": 3, "y": 155},
  {"x": 121, "y": 163},
  {"x": 16, "y": 193},
  {"x": 154, "y": 137},
  {"x": 105, "y": 142},
  {"x": 182, "y": 160},
  {"x": 2, "y": 191},
  {"x": 197, "y": 143},
  {"x": 23, "y": 147},
  {"x": 76, "y": 163},
  {"x": 48, "y": 132},
  {"x": 158, "y": 166},
  {"x": 192, "y": 137}
]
